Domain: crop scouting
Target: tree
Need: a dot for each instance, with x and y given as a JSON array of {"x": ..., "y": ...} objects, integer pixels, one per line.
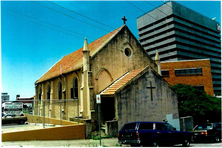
[{"x": 195, "y": 102}]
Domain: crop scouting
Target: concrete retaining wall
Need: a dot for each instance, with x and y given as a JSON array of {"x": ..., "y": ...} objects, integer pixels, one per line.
[
  {"x": 39, "y": 119},
  {"x": 69, "y": 131},
  {"x": 58, "y": 133}
]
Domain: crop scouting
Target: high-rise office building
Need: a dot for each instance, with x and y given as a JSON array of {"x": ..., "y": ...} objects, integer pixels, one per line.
[{"x": 179, "y": 33}]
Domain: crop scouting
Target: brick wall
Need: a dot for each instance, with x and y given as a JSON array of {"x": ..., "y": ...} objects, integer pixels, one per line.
[{"x": 204, "y": 79}]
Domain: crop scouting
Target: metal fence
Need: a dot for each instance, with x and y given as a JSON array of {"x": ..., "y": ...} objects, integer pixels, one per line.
[{"x": 62, "y": 109}]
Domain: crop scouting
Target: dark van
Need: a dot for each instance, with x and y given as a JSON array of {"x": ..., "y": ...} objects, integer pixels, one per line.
[{"x": 152, "y": 133}]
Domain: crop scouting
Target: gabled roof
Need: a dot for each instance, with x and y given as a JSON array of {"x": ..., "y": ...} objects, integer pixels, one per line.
[
  {"x": 127, "y": 78},
  {"x": 119, "y": 83},
  {"x": 74, "y": 60}
]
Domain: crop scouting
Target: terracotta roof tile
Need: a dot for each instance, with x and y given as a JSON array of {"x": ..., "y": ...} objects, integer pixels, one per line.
[
  {"x": 74, "y": 60},
  {"x": 121, "y": 82}
]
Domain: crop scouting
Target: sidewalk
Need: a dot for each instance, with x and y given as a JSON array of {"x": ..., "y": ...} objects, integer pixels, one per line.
[
  {"x": 110, "y": 142},
  {"x": 7, "y": 128},
  {"x": 106, "y": 142}
]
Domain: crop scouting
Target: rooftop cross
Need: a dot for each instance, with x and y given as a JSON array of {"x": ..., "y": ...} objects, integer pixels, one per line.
[{"x": 124, "y": 20}]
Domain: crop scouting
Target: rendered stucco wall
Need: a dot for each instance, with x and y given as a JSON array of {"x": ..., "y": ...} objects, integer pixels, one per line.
[
  {"x": 113, "y": 59},
  {"x": 135, "y": 104},
  {"x": 69, "y": 108}
]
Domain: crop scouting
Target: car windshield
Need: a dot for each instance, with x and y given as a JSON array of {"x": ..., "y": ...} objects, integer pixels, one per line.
[
  {"x": 203, "y": 127},
  {"x": 130, "y": 126}
]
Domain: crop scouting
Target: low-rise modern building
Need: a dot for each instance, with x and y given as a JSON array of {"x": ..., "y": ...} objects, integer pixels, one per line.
[
  {"x": 27, "y": 101},
  {"x": 5, "y": 97},
  {"x": 179, "y": 33},
  {"x": 196, "y": 73}
]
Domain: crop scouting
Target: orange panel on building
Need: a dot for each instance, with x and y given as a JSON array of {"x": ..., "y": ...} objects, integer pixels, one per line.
[{"x": 196, "y": 73}]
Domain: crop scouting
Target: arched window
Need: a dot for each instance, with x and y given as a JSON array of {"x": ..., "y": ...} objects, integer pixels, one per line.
[
  {"x": 75, "y": 89},
  {"x": 48, "y": 92},
  {"x": 60, "y": 90},
  {"x": 40, "y": 93}
]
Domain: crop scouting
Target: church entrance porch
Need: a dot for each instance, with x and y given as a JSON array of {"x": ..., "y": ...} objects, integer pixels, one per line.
[
  {"x": 107, "y": 109},
  {"x": 108, "y": 120}
]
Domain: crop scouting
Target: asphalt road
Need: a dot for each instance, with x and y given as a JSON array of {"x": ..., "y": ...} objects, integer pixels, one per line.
[{"x": 111, "y": 142}]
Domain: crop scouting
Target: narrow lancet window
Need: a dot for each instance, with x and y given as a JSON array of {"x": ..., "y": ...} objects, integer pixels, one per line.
[
  {"x": 75, "y": 88},
  {"x": 48, "y": 92},
  {"x": 60, "y": 90},
  {"x": 40, "y": 93}
]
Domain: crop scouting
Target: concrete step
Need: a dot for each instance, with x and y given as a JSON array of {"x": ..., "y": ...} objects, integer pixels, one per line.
[{"x": 103, "y": 128}]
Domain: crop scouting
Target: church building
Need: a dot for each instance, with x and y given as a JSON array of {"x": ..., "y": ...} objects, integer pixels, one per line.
[{"x": 117, "y": 68}]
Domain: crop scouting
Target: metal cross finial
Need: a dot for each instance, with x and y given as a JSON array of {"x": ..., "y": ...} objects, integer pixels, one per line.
[{"x": 124, "y": 20}]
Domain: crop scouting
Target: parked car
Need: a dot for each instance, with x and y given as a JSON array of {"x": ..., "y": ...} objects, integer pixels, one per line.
[
  {"x": 14, "y": 119},
  {"x": 207, "y": 131},
  {"x": 152, "y": 133},
  {"x": 3, "y": 114}
]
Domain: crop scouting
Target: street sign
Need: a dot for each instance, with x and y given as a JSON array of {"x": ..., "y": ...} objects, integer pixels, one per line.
[{"x": 98, "y": 99}]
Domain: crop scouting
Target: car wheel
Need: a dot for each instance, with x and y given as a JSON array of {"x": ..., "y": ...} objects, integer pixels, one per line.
[
  {"x": 155, "y": 143},
  {"x": 192, "y": 139},
  {"x": 186, "y": 143},
  {"x": 21, "y": 122},
  {"x": 135, "y": 145},
  {"x": 216, "y": 139}
]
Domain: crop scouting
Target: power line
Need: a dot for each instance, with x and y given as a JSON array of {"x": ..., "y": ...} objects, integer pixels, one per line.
[
  {"x": 145, "y": 12},
  {"x": 68, "y": 15},
  {"x": 174, "y": 9},
  {"x": 163, "y": 13},
  {"x": 181, "y": 15},
  {"x": 41, "y": 24},
  {"x": 140, "y": 9},
  {"x": 155, "y": 7},
  {"x": 155, "y": 18},
  {"x": 80, "y": 14},
  {"x": 46, "y": 22},
  {"x": 150, "y": 16}
]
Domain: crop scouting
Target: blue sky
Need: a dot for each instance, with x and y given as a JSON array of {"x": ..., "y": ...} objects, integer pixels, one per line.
[{"x": 34, "y": 37}]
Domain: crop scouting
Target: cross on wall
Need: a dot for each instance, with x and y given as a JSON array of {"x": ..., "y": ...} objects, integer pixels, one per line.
[{"x": 151, "y": 90}]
